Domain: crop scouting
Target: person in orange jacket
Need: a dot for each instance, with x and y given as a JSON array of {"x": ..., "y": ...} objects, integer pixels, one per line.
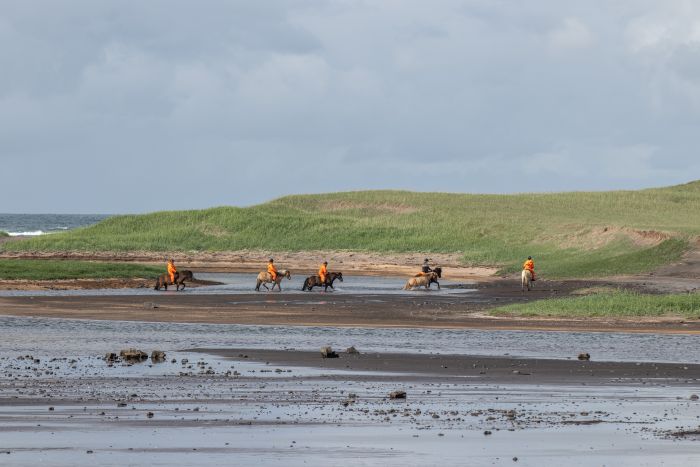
[
  {"x": 272, "y": 269},
  {"x": 323, "y": 272},
  {"x": 171, "y": 270},
  {"x": 530, "y": 266}
]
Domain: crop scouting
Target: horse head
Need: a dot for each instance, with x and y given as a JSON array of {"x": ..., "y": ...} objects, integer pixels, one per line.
[
  {"x": 438, "y": 271},
  {"x": 287, "y": 274},
  {"x": 339, "y": 276}
]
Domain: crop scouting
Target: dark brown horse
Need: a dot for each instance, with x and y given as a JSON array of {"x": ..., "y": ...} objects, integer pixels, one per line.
[
  {"x": 315, "y": 281},
  {"x": 180, "y": 278}
]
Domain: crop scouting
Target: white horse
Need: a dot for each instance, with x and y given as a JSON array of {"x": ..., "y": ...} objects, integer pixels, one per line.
[
  {"x": 526, "y": 280},
  {"x": 265, "y": 278}
]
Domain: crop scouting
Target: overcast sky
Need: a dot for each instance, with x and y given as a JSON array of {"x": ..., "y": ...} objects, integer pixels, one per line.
[{"x": 114, "y": 106}]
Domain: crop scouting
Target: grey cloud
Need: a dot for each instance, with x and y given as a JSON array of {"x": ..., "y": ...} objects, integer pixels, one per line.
[{"x": 100, "y": 98}]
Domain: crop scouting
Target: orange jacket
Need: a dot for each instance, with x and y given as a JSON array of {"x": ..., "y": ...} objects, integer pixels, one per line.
[
  {"x": 323, "y": 271},
  {"x": 171, "y": 268},
  {"x": 272, "y": 269},
  {"x": 529, "y": 264}
]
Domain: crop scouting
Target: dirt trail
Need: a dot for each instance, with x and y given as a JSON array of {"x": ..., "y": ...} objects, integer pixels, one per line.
[{"x": 302, "y": 262}]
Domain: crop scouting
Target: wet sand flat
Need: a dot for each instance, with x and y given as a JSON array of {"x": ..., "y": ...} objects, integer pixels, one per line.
[{"x": 294, "y": 408}]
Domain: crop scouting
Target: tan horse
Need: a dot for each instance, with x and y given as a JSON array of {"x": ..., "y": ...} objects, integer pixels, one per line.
[
  {"x": 422, "y": 281},
  {"x": 526, "y": 280},
  {"x": 265, "y": 278}
]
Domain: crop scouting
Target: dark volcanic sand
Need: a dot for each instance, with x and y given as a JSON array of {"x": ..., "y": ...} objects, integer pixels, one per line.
[{"x": 480, "y": 369}]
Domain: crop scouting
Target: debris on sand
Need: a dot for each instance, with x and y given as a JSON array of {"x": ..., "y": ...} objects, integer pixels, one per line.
[
  {"x": 352, "y": 350},
  {"x": 584, "y": 356},
  {"x": 694, "y": 397},
  {"x": 150, "y": 305},
  {"x": 397, "y": 395},
  {"x": 133, "y": 355},
  {"x": 328, "y": 352},
  {"x": 111, "y": 357},
  {"x": 158, "y": 356}
]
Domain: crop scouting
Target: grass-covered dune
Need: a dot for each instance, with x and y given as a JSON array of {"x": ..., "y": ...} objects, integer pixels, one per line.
[
  {"x": 39, "y": 270},
  {"x": 569, "y": 234}
]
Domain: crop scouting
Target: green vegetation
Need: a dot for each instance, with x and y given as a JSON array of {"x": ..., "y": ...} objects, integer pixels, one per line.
[
  {"x": 40, "y": 269},
  {"x": 617, "y": 303},
  {"x": 568, "y": 234},
  {"x": 4, "y": 234}
]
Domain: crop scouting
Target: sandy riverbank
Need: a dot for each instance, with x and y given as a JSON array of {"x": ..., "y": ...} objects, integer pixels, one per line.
[{"x": 420, "y": 309}]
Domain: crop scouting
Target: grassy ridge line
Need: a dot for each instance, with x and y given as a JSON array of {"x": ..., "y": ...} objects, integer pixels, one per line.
[
  {"x": 609, "y": 304},
  {"x": 17, "y": 269},
  {"x": 558, "y": 229}
]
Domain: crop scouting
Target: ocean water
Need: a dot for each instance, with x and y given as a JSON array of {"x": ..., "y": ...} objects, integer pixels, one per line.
[{"x": 40, "y": 224}]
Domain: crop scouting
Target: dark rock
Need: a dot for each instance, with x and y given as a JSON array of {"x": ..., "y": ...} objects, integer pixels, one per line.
[
  {"x": 111, "y": 357},
  {"x": 352, "y": 350},
  {"x": 328, "y": 352},
  {"x": 487, "y": 432},
  {"x": 693, "y": 397},
  {"x": 158, "y": 356},
  {"x": 397, "y": 395},
  {"x": 149, "y": 414},
  {"x": 133, "y": 355},
  {"x": 584, "y": 356}
]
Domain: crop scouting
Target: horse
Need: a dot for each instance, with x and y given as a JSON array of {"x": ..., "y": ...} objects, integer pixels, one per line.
[
  {"x": 526, "y": 280},
  {"x": 180, "y": 278},
  {"x": 424, "y": 280},
  {"x": 315, "y": 281},
  {"x": 265, "y": 278}
]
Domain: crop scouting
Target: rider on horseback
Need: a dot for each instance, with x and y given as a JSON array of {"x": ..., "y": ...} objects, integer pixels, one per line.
[
  {"x": 323, "y": 272},
  {"x": 271, "y": 269},
  {"x": 171, "y": 270},
  {"x": 425, "y": 269},
  {"x": 530, "y": 266}
]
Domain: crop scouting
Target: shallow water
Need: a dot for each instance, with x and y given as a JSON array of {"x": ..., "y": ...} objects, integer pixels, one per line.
[
  {"x": 68, "y": 337},
  {"x": 242, "y": 283}
]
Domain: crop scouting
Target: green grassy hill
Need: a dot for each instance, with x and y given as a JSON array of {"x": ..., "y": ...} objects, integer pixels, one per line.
[{"x": 569, "y": 234}]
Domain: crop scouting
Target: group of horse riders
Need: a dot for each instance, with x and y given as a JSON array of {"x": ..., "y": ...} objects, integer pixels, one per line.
[
  {"x": 322, "y": 271},
  {"x": 529, "y": 265}
]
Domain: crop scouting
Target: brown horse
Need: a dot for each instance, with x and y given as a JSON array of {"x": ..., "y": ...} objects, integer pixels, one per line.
[
  {"x": 180, "y": 278},
  {"x": 315, "y": 281},
  {"x": 265, "y": 278}
]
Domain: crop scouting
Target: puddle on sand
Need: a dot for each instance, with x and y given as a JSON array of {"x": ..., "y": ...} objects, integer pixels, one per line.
[
  {"x": 303, "y": 423},
  {"x": 53, "y": 337}
]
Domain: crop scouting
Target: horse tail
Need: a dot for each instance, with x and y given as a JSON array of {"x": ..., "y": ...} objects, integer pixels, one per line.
[
  {"x": 306, "y": 284},
  {"x": 257, "y": 286}
]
